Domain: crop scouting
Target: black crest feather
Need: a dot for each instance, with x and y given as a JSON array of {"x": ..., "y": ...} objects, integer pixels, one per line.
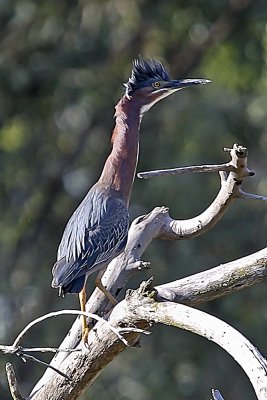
[{"x": 145, "y": 71}]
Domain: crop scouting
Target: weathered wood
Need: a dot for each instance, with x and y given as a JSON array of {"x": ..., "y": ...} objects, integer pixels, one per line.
[
  {"x": 12, "y": 382},
  {"x": 191, "y": 290},
  {"x": 141, "y": 309},
  {"x": 217, "y": 281}
]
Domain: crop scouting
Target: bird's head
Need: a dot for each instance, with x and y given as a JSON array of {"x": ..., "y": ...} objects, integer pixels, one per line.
[{"x": 150, "y": 82}]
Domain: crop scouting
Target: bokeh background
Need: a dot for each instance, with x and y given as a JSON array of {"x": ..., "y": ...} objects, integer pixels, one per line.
[{"x": 62, "y": 65}]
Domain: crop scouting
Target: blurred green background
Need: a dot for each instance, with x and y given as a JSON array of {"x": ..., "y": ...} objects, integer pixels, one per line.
[{"x": 62, "y": 64}]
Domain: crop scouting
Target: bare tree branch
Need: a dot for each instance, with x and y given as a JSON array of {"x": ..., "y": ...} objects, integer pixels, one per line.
[
  {"x": 63, "y": 312},
  {"x": 21, "y": 352},
  {"x": 251, "y": 196},
  {"x": 159, "y": 224},
  {"x": 247, "y": 356},
  {"x": 217, "y": 281},
  {"x": 141, "y": 310},
  {"x": 192, "y": 290},
  {"x": 12, "y": 382},
  {"x": 15, "y": 348},
  {"x": 185, "y": 170},
  {"x": 232, "y": 166},
  {"x": 230, "y": 190}
]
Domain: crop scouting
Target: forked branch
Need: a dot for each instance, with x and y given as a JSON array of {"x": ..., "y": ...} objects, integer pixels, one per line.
[
  {"x": 191, "y": 290},
  {"x": 210, "y": 327},
  {"x": 140, "y": 309},
  {"x": 158, "y": 224},
  {"x": 237, "y": 170},
  {"x": 22, "y": 352},
  {"x": 212, "y": 283}
]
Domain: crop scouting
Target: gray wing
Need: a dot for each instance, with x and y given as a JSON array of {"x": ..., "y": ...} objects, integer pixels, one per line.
[{"x": 96, "y": 233}]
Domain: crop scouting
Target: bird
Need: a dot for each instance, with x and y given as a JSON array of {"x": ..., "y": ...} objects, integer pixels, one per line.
[{"x": 97, "y": 230}]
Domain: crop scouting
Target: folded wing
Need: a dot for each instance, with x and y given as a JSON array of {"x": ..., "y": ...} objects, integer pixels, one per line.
[{"x": 95, "y": 234}]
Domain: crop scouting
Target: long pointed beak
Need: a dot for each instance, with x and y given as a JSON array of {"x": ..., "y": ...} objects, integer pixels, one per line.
[{"x": 183, "y": 83}]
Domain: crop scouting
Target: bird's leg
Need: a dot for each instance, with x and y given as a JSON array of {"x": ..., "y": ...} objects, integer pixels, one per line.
[
  {"x": 100, "y": 286},
  {"x": 85, "y": 329}
]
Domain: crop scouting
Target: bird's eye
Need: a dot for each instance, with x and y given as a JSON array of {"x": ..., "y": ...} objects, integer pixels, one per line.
[{"x": 156, "y": 84}]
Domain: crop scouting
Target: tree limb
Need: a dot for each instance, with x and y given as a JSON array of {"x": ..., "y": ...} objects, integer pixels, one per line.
[
  {"x": 230, "y": 190},
  {"x": 218, "y": 281},
  {"x": 12, "y": 383},
  {"x": 141, "y": 310},
  {"x": 192, "y": 290},
  {"x": 185, "y": 170},
  {"x": 219, "y": 332},
  {"x": 21, "y": 352}
]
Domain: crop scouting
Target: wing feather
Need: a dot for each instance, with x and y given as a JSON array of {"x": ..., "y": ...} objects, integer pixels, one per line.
[{"x": 96, "y": 233}]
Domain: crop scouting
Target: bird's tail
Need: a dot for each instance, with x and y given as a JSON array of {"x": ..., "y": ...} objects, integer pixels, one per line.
[{"x": 65, "y": 278}]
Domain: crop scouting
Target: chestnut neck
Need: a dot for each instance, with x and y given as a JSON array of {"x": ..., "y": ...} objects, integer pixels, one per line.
[{"x": 119, "y": 169}]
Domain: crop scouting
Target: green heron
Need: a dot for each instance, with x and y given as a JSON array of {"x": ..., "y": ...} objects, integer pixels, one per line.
[{"x": 97, "y": 230}]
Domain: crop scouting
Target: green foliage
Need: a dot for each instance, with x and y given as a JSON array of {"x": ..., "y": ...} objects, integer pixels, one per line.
[{"x": 62, "y": 64}]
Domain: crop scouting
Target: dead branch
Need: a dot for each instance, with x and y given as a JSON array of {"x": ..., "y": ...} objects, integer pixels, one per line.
[
  {"x": 230, "y": 190},
  {"x": 231, "y": 166},
  {"x": 185, "y": 170},
  {"x": 141, "y": 310},
  {"x": 62, "y": 312},
  {"x": 217, "y": 281},
  {"x": 158, "y": 224},
  {"x": 246, "y": 355},
  {"x": 15, "y": 348},
  {"x": 12, "y": 382},
  {"x": 22, "y": 352}
]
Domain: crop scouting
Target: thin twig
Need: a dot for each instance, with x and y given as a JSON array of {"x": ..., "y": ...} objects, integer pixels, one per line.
[
  {"x": 13, "y": 350},
  {"x": 8, "y": 349},
  {"x": 20, "y": 351},
  {"x": 12, "y": 382},
  {"x": 228, "y": 167},
  {"x": 135, "y": 330},
  {"x": 46, "y": 350},
  {"x": 32, "y": 358},
  {"x": 251, "y": 196},
  {"x": 64, "y": 312}
]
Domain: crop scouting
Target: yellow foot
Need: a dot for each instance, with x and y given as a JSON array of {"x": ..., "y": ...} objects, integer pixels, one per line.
[{"x": 85, "y": 334}]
